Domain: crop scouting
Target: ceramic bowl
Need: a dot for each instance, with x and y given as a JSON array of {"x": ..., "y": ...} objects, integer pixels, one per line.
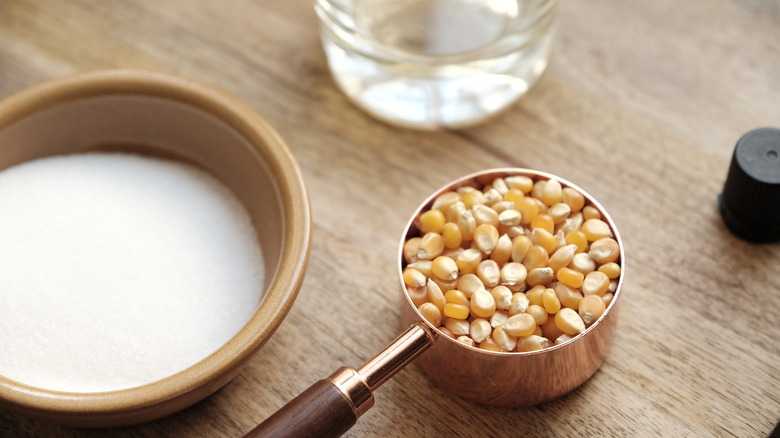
[{"x": 170, "y": 117}]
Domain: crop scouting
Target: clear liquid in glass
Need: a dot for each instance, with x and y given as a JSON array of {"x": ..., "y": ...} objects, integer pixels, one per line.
[{"x": 436, "y": 63}]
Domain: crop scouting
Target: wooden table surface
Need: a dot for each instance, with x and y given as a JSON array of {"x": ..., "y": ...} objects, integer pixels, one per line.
[{"x": 641, "y": 106}]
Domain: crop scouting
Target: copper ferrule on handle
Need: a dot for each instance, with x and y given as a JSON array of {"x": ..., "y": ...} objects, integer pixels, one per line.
[
  {"x": 358, "y": 385},
  {"x": 397, "y": 355},
  {"x": 355, "y": 388}
]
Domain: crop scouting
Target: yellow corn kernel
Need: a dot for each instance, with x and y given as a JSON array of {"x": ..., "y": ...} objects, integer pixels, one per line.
[
  {"x": 423, "y": 266},
  {"x": 431, "y": 221},
  {"x": 444, "y": 268},
  {"x": 539, "y": 314},
  {"x": 566, "y": 227},
  {"x": 570, "y": 277},
  {"x": 612, "y": 270},
  {"x": 452, "y": 252},
  {"x": 446, "y": 332},
  {"x": 550, "y": 330},
  {"x": 535, "y": 257},
  {"x": 612, "y": 286},
  {"x": 468, "y": 260},
  {"x": 559, "y": 213},
  {"x": 418, "y": 295},
  {"x": 568, "y": 296},
  {"x": 590, "y": 212},
  {"x": 573, "y": 199},
  {"x": 583, "y": 263},
  {"x": 518, "y": 304},
  {"x": 411, "y": 247},
  {"x": 497, "y": 185},
  {"x": 513, "y": 196},
  {"x": 502, "y": 296},
  {"x": 445, "y": 201},
  {"x": 431, "y": 246},
  {"x": 607, "y": 298},
  {"x": 489, "y": 345},
  {"x": 560, "y": 239},
  {"x": 480, "y": 329},
  {"x": 520, "y": 182},
  {"x": 562, "y": 257},
  {"x": 503, "y": 250},
  {"x": 457, "y": 311},
  {"x": 532, "y": 343},
  {"x": 552, "y": 193},
  {"x": 500, "y": 185},
  {"x": 444, "y": 284},
  {"x": 498, "y": 318},
  {"x": 414, "y": 278},
  {"x": 492, "y": 196},
  {"x": 485, "y": 215},
  {"x": 469, "y": 283},
  {"x": 451, "y": 235},
  {"x": 509, "y": 217},
  {"x": 520, "y": 246},
  {"x": 483, "y": 304},
  {"x": 519, "y": 287},
  {"x": 457, "y": 326},
  {"x": 545, "y": 239},
  {"x": 501, "y": 207},
  {"x": 472, "y": 198},
  {"x": 540, "y": 276},
  {"x": 591, "y": 308},
  {"x": 550, "y": 301},
  {"x": 488, "y": 272},
  {"x": 513, "y": 273},
  {"x": 486, "y": 237},
  {"x": 435, "y": 295},
  {"x": 538, "y": 189},
  {"x": 465, "y": 189},
  {"x": 511, "y": 232},
  {"x": 520, "y": 325},
  {"x": 454, "y": 212},
  {"x": 577, "y": 238},
  {"x": 534, "y": 295},
  {"x": 503, "y": 339},
  {"x": 563, "y": 338},
  {"x": 569, "y": 321},
  {"x": 430, "y": 312},
  {"x": 543, "y": 221},
  {"x": 573, "y": 222},
  {"x": 605, "y": 250},
  {"x": 542, "y": 206},
  {"x": 467, "y": 224},
  {"x": 595, "y": 283},
  {"x": 455, "y": 296},
  {"x": 528, "y": 209},
  {"x": 466, "y": 340},
  {"x": 596, "y": 229}
]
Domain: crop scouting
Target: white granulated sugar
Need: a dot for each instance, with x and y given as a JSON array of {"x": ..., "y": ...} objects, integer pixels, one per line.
[{"x": 118, "y": 270}]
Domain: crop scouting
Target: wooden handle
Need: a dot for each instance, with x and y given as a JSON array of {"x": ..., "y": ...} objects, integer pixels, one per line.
[
  {"x": 331, "y": 406},
  {"x": 320, "y": 411}
]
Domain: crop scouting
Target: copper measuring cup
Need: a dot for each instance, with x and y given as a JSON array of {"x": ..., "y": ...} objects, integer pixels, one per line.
[{"x": 332, "y": 405}]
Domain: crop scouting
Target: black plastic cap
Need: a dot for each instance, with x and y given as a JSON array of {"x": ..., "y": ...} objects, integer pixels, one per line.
[{"x": 750, "y": 202}]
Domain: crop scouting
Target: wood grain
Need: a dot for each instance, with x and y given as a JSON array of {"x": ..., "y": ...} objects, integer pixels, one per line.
[{"x": 641, "y": 106}]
